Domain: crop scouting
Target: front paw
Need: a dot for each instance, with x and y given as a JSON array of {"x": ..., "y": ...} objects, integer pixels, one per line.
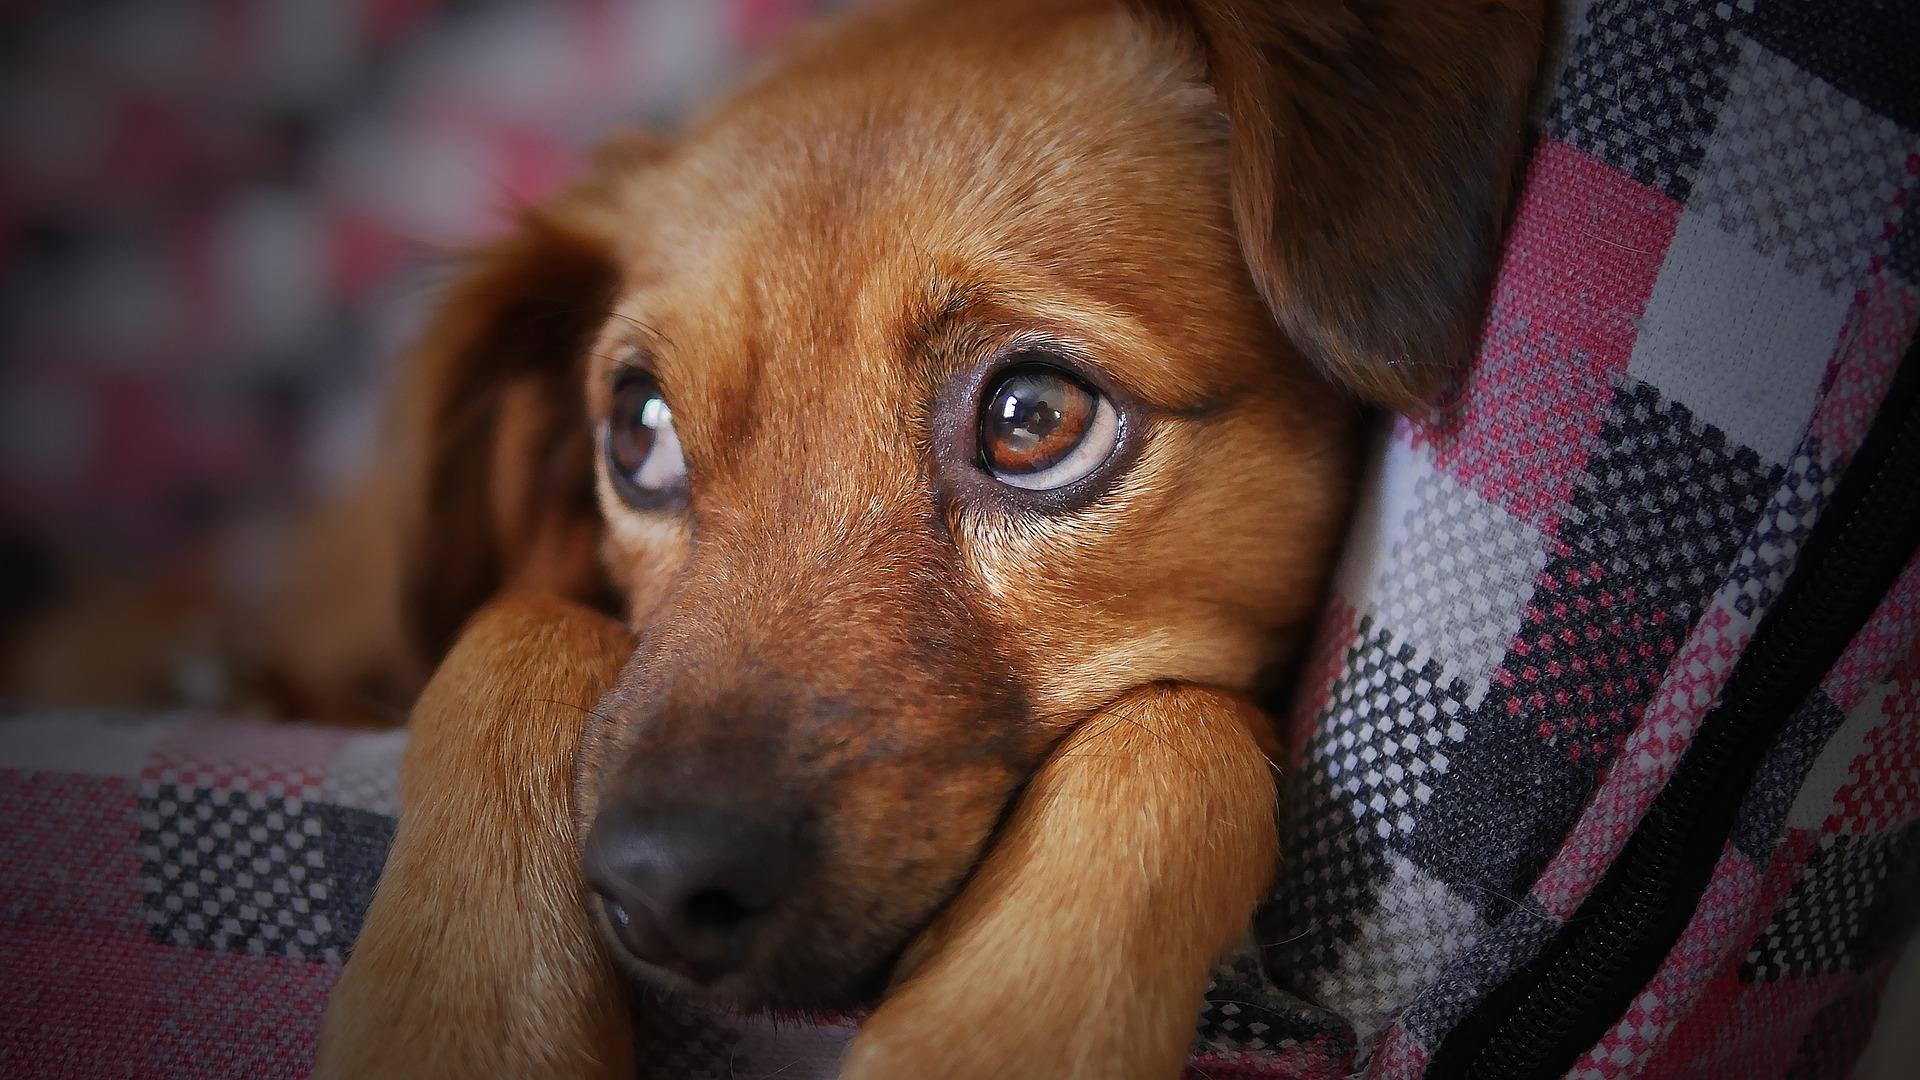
[{"x": 1082, "y": 945}]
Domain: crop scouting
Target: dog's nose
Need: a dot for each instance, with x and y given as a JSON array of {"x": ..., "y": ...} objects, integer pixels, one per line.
[{"x": 687, "y": 888}]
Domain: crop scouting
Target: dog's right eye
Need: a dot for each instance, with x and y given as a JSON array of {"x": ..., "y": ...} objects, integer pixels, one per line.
[
  {"x": 1043, "y": 429},
  {"x": 642, "y": 450}
]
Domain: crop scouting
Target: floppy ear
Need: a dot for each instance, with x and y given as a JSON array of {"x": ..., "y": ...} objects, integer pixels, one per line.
[
  {"x": 497, "y": 488},
  {"x": 1372, "y": 145}
]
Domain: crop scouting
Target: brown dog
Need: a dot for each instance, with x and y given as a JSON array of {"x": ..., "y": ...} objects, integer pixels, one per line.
[{"x": 963, "y": 417}]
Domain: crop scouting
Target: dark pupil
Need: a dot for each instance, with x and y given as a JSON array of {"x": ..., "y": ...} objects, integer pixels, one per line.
[
  {"x": 1026, "y": 418},
  {"x": 631, "y": 440}
]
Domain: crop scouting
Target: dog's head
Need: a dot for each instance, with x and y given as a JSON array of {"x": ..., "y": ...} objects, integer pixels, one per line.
[{"x": 976, "y": 365}]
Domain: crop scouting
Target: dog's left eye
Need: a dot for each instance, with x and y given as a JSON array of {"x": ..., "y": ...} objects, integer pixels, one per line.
[
  {"x": 1041, "y": 428},
  {"x": 642, "y": 449}
]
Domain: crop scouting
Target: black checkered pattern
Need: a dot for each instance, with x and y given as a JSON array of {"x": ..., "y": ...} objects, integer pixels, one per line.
[
  {"x": 1390, "y": 725},
  {"x": 1380, "y": 748},
  {"x": 1851, "y": 907},
  {"x": 1649, "y": 120},
  {"x": 1242, "y": 1012},
  {"x": 1335, "y": 866},
  {"x": 233, "y": 870},
  {"x": 1575, "y": 679},
  {"x": 677, "y": 1041},
  {"x": 1665, "y": 501},
  {"x": 1760, "y": 570},
  {"x": 243, "y": 871},
  {"x": 1863, "y": 47}
]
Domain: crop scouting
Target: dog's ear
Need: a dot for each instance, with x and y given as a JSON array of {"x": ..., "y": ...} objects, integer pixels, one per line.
[
  {"x": 1372, "y": 144},
  {"x": 496, "y": 488}
]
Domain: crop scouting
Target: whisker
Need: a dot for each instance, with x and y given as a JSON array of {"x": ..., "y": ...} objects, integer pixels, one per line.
[{"x": 647, "y": 328}]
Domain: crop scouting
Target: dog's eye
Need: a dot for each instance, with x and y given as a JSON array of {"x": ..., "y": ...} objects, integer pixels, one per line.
[
  {"x": 1042, "y": 428},
  {"x": 643, "y": 451}
]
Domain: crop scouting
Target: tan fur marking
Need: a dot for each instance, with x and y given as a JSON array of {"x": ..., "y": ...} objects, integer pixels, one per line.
[
  {"x": 1127, "y": 869},
  {"x": 477, "y": 958}
]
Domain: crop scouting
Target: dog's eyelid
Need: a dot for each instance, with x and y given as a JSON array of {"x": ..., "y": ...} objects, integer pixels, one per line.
[
  {"x": 1073, "y": 355},
  {"x": 637, "y": 364},
  {"x": 629, "y": 358},
  {"x": 1101, "y": 367}
]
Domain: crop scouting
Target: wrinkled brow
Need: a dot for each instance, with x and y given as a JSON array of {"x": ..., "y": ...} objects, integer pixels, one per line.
[
  {"x": 942, "y": 317},
  {"x": 951, "y": 321}
]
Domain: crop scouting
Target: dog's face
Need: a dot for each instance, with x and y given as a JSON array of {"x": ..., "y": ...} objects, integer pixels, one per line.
[
  {"x": 934, "y": 398},
  {"x": 929, "y": 422}
]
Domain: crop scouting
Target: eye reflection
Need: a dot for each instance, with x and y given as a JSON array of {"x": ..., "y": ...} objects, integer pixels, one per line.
[
  {"x": 1042, "y": 428},
  {"x": 643, "y": 453}
]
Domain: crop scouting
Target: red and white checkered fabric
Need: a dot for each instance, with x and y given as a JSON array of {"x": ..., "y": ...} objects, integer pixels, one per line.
[{"x": 1713, "y": 271}]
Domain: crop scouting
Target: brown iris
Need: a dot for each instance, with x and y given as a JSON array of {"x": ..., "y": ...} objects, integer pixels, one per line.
[
  {"x": 644, "y": 458},
  {"x": 629, "y": 435},
  {"x": 1034, "y": 418}
]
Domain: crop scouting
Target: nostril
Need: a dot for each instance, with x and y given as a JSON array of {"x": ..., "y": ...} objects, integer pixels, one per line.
[
  {"x": 717, "y": 909},
  {"x": 689, "y": 888}
]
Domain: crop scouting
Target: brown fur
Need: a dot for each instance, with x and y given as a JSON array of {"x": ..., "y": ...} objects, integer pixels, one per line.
[
  {"x": 1374, "y": 143},
  {"x": 1178, "y": 872},
  {"x": 477, "y": 958},
  {"x": 892, "y": 637},
  {"x": 1018, "y": 739}
]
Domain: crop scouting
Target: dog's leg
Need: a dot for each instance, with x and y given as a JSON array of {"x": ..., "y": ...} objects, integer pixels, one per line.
[
  {"x": 1133, "y": 861},
  {"x": 477, "y": 958}
]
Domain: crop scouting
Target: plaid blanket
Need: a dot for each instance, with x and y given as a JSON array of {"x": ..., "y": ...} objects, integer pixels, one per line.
[
  {"x": 181, "y": 892},
  {"x": 1712, "y": 276}
]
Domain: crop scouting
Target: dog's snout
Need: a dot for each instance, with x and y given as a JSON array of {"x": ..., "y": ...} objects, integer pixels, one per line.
[{"x": 688, "y": 888}]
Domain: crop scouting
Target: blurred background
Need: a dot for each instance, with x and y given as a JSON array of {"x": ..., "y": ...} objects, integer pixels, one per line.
[{"x": 220, "y": 222}]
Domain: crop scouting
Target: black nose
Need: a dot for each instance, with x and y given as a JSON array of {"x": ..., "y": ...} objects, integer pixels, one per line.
[{"x": 688, "y": 888}]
